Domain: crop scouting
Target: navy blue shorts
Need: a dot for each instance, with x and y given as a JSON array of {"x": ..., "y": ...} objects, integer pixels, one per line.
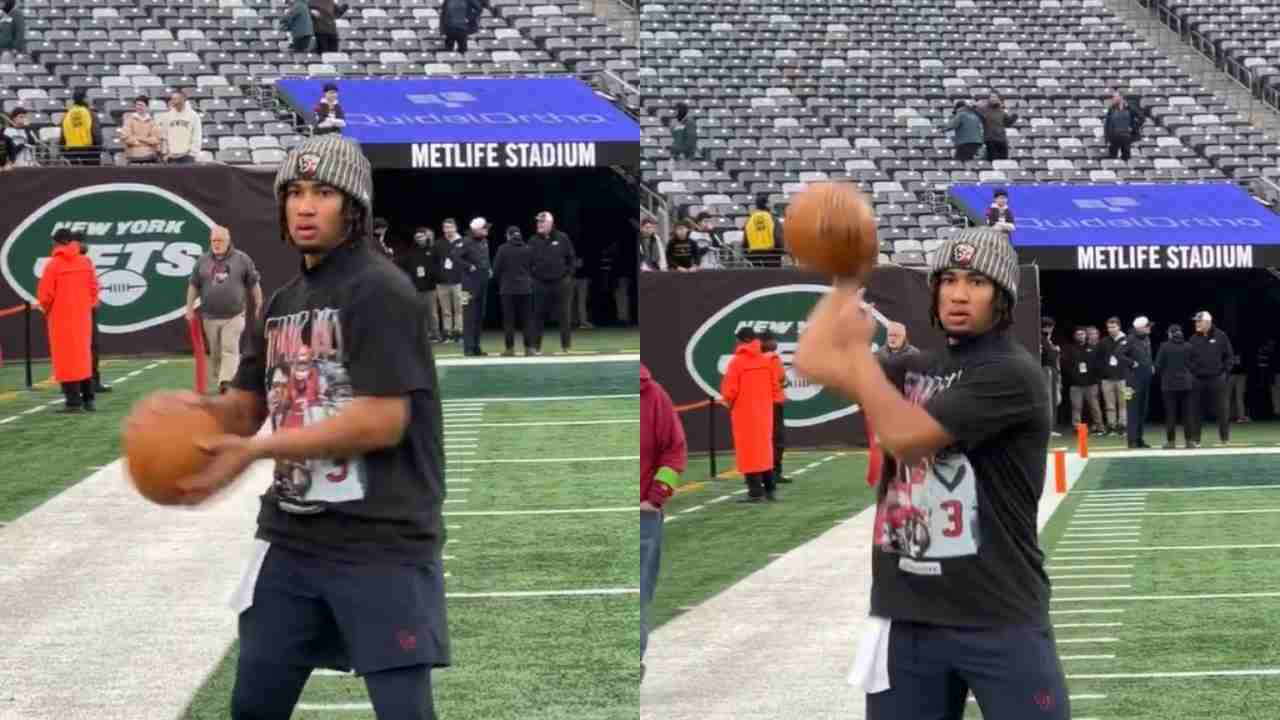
[
  {"x": 1013, "y": 672},
  {"x": 318, "y": 613}
]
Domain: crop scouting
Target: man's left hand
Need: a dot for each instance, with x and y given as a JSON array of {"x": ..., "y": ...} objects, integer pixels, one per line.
[{"x": 231, "y": 456}]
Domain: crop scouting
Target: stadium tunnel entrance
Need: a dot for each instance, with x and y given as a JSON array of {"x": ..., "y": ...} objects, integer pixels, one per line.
[
  {"x": 1243, "y": 303},
  {"x": 595, "y": 207}
]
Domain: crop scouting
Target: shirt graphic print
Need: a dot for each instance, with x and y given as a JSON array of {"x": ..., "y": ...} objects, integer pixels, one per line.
[
  {"x": 929, "y": 511},
  {"x": 307, "y": 383}
]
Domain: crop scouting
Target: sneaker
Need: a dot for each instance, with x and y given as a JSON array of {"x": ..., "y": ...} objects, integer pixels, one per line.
[
  {"x": 90, "y": 407},
  {"x": 1193, "y": 446},
  {"x": 102, "y": 389},
  {"x": 509, "y": 352},
  {"x": 1169, "y": 446},
  {"x": 587, "y": 326},
  {"x": 1055, "y": 433},
  {"x": 785, "y": 481}
]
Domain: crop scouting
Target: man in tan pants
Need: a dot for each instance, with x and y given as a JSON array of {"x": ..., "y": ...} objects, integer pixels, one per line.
[{"x": 222, "y": 281}]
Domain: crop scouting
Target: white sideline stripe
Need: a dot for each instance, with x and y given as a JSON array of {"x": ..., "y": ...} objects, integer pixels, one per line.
[
  {"x": 692, "y": 509},
  {"x": 447, "y": 502},
  {"x": 1090, "y": 567},
  {"x": 1094, "y": 611},
  {"x": 1091, "y": 558},
  {"x": 1091, "y": 577},
  {"x": 1088, "y": 625},
  {"x": 572, "y": 511},
  {"x": 8, "y": 419},
  {"x": 619, "y": 421},
  {"x": 548, "y": 593},
  {"x": 1207, "y": 488},
  {"x": 1102, "y": 524},
  {"x": 1090, "y": 534},
  {"x": 452, "y": 527},
  {"x": 457, "y": 482},
  {"x": 1088, "y": 657},
  {"x": 1188, "y": 674},
  {"x": 335, "y": 707},
  {"x": 460, "y": 490},
  {"x": 1207, "y": 596},
  {"x": 462, "y": 452},
  {"x": 1174, "y": 513},
  {"x": 608, "y": 458},
  {"x": 1081, "y": 641},
  {"x": 35, "y": 409},
  {"x": 1098, "y": 542},
  {"x": 1092, "y": 587},
  {"x": 1184, "y": 547},
  {"x": 446, "y": 403}
]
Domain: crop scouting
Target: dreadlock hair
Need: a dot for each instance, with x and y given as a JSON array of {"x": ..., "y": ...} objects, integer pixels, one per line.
[{"x": 1002, "y": 305}]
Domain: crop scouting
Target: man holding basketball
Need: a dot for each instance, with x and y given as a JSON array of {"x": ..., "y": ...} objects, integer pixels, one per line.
[
  {"x": 959, "y": 598},
  {"x": 347, "y": 568}
]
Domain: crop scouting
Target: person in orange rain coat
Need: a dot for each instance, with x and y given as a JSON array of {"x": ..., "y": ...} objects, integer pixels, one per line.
[
  {"x": 748, "y": 390},
  {"x": 67, "y": 294},
  {"x": 769, "y": 344}
]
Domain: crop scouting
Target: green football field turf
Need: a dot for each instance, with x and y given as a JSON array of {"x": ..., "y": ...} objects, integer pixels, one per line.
[
  {"x": 526, "y": 657},
  {"x": 1122, "y": 556}
]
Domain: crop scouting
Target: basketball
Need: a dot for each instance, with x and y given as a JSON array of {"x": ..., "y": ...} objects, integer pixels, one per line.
[
  {"x": 160, "y": 450},
  {"x": 831, "y": 228}
]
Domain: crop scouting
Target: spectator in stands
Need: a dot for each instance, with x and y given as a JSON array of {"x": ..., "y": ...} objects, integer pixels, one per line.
[
  {"x": 995, "y": 120},
  {"x": 684, "y": 134},
  {"x": 382, "y": 235},
  {"x": 967, "y": 128},
  {"x": 1112, "y": 373},
  {"x": 1079, "y": 366},
  {"x": 418, "y": 260},
  {"x": 748, "y": 390},
  {"x": 682, "y": 253},
  {"x": 1267, "y": 375},
  {"x": 455, "y": 24},
  {"x": 763, "y": 243},
  {"x": 896, "y": 344},
  {"x": 1173, "y": 364},
  {"x": 476, "y": 272},
  {"x": 183, "y": 131},
  {"x": 330, "y": 117},
  {"x": 652, "y": 254},
  {"x": 449, "y": 291},
  {"x": 999, "y": 216},
  {"x": 581, "y": 294},
  {"x": 96, "y": 378},
  {"x": 224, "y": 279},
  {"x": 552, "y": 269},
  {"x": 710, "y": 243},
  {"x": 1237, "y": 389},
  {"x": 1119, "y": 127},
  {"x": 1051, "y": 367},
  {"x": 769, "y": 344},
  {"x": 476, "y": 8},
  {"x": 511, "y": 268},
  {"x": 141, "y": 135},
  {"x": 324, "y": 20},
  {"x": 663, "y": 457},
  {"x": 1134, "y": 355},
  {"x": 81, "y": 131},
  {"x": 20, "y": 140},
  {"x": 67, "y": 294},
  {"x": 13, "y": 30},
  {"x": 1210, "y": 362},
  {"x": 297, "y": 22}
]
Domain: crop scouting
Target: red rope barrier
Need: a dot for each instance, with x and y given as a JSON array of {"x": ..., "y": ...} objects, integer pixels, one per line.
[
  {"x": 13, "y": 310},
  {"x": 197, "y": 348}
]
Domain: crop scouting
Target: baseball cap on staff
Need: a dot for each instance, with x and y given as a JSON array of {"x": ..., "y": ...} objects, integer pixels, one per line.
[
  {"x": 1203, "y": 315},
  {"x": 1141, "y": 322},
  {"x": 479, "y": 224}
]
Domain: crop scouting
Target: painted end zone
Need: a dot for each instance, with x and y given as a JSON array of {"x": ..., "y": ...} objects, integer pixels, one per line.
[{"x": 1051, "y": 498}]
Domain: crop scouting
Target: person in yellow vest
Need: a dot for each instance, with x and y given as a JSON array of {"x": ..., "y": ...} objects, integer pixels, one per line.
[
  {"x": 761, "y": 235},
  {"x": 81, "y": 133}
]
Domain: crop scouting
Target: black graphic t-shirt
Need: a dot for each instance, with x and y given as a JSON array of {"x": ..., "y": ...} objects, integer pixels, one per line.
[
  {"x": 955, "y": 539},
  {"x": 346, "y": 328}
]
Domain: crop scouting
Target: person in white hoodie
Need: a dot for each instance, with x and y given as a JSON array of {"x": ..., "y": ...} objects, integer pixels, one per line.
[{"x": 182, "y": 131}]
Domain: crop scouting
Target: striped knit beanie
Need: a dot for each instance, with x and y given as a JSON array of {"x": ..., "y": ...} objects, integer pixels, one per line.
[
  {"x": 982, "y": 250},
  {"x": 332, "y": 160}
]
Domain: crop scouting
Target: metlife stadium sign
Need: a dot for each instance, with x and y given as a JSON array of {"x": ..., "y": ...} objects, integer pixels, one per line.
[
  {"x": 474, "y": 124},
  {"x": 1212, "y": 226}
]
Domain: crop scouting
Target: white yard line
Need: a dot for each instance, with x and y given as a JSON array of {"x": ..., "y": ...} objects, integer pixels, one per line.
[
  {"x": 1261, "y": 672},
  {"x": 1120, "y": 576},
  {"x": 1090, "y": 534},
  {"x": 1092, "y": 558},
  {"x": 1088, "y": 567},
  {"x": 1061, "y": 626},
  {"x": 1207, "y": 596},
  {"x": 1087, "y": 657},
  {"x": 1082, "y": 641},
  {"x": 1062, "y": 543},
  {"x": 1093, "y": 587},
  {"x": 571, "y": 511},
  {"x": 334, "y": 707},
  {"x": 9, "y": 419},
  {"x": 509, "y": 461},
  {"x": 1174, "y": 513},
  {"x": 452, "y": 502},
  {"x": 547, "y": 593},
  {"x": 1270, "y": 546},
  {"x": 1091, "y": 611},
  {"x": 1209, "y": 488},
  {"x": 549, "y": 398},
  {"x": 692, "y": 509},
  {"x": 556, "y": 423}
]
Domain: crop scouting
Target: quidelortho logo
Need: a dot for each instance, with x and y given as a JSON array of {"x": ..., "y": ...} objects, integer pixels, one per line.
[
  {"x": 783, "y": 310},
  {"x": 1117, "y": 204},
  {"x": 452, "y": 99},
  {"x": 143, "y": 240}
]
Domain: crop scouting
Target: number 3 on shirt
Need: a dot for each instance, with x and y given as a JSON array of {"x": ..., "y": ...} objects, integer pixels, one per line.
[{"x": 955, "y": 514}]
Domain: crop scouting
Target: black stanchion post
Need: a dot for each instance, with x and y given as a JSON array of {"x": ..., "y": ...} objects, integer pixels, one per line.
[
  {"x": 27, "y": 322},
  {"x": 711, "y": 426}
]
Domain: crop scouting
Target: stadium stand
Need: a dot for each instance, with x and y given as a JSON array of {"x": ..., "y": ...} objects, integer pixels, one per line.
[
  {"x": 793, "y": 91},
  {"x": 226, "y": 54}
]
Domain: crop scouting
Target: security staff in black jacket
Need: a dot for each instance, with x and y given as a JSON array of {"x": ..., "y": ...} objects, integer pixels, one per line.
[
  {"x": 1134, "y": 351},
  {"x": 419, "y": 261},
  {"x": 476, "y": 271},
  {"x": 1173, "y": 363},
  {"x": 449, "y": 287},
  {"x": 515, "y": 287},
  {"x": 1210, "y": 362},
  {"x": 553, "y": 263}
]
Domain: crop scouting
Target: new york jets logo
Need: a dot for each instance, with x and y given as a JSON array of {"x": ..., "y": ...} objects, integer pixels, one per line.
[
  {"x": 143, "y": 240},
  {"x": 782, "y": 310}
]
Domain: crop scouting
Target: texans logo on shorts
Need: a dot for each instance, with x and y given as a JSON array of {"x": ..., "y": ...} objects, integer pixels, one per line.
[
  {"x": 308, "y": 164},
  {"x": 962, "y": 254}
]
